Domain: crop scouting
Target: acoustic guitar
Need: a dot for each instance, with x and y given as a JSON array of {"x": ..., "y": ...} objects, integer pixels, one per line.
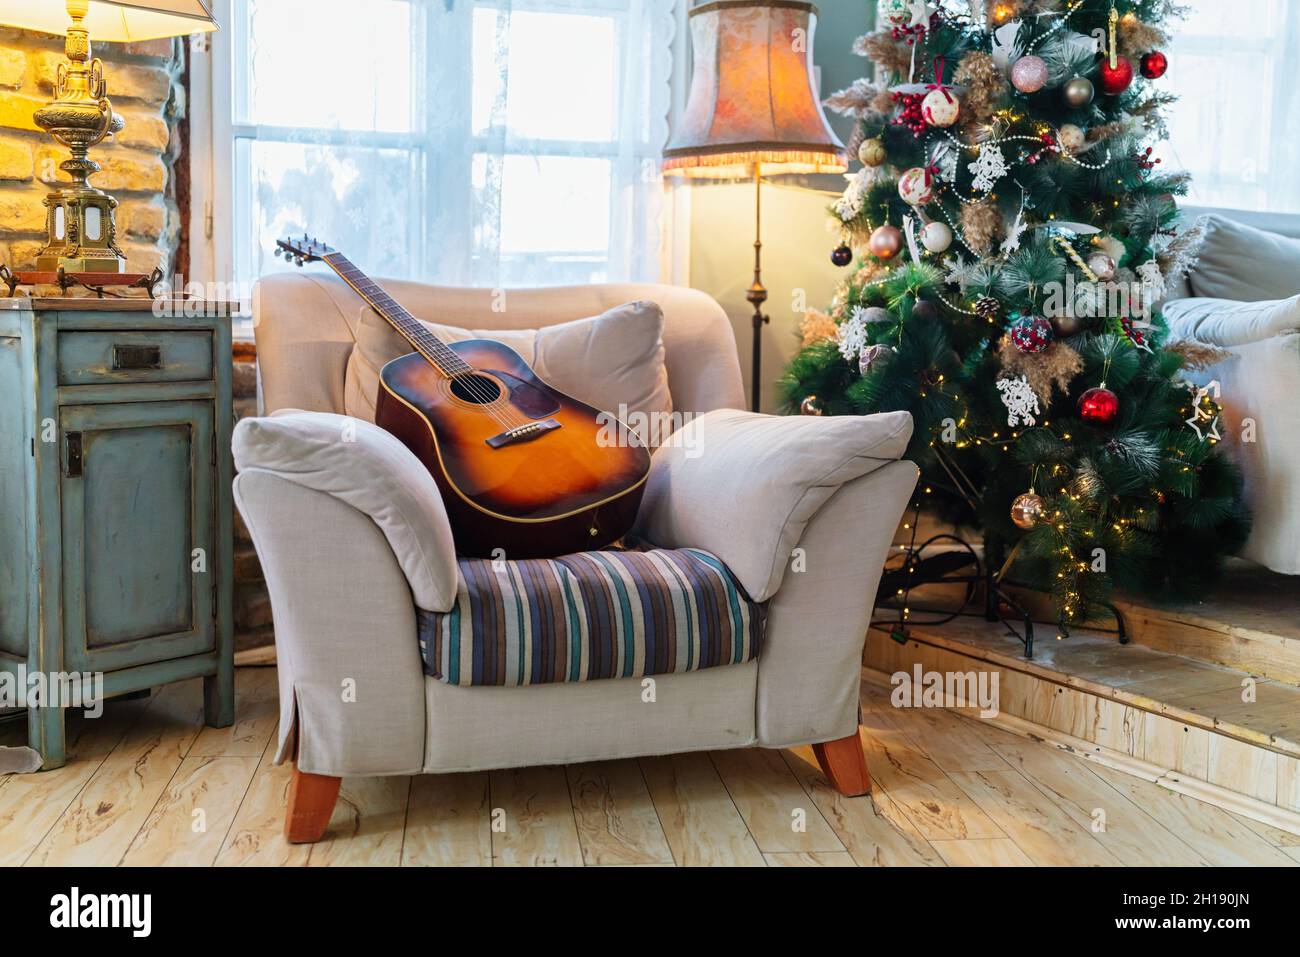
[{"x": 522, "y": 467}]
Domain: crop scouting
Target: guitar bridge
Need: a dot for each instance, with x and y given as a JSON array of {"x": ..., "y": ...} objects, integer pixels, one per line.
[{"x": 523, "y": 433}]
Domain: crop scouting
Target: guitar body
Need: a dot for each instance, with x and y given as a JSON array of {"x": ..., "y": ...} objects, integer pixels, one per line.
[{"x": 521, "y": 466}]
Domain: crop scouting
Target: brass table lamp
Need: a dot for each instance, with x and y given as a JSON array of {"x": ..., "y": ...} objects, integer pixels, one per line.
[
  {"x": 752, "y": 109},
  {"x": 81, "y": 233}
]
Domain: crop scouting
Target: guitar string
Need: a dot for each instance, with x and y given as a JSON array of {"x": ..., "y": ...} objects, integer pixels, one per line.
[{"x": 418, "y": 336}]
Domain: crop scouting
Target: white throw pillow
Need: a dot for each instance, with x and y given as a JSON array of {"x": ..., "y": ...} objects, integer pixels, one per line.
[
  {"x": 1245, "y": 264},
  {"x": 361, "y": 464},
  {"x": 612, "y": 360},
  {"x": 1222, "y": 322},
  {"x": 744, "y": 486}
]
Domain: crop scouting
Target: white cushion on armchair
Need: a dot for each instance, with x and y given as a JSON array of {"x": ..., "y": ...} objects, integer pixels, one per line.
[
  {"x": 364, "y": 466},
  {"x": 1226, "y": 323},
  {"x": 745, "y": 486}
]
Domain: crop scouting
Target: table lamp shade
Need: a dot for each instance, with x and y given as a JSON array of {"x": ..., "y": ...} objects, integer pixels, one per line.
[
  {"x": 112, "y": 20},
  {"x": 752, "y": 97}
]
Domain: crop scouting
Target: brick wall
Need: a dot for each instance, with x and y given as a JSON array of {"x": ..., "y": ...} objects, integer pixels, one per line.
[
  {"x": 253, "y": 628},
  {"x": 143, "y": 83}
]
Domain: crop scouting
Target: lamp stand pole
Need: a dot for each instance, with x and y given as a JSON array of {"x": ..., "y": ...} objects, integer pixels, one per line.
[{"x": 757, "y": 294}]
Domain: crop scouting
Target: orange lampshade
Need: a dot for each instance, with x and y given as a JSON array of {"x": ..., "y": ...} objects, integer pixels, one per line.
[{"x": 752, "y": 98}]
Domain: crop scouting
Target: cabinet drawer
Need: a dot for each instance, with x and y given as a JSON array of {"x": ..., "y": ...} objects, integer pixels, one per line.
[{"x": 96, "y": 358}]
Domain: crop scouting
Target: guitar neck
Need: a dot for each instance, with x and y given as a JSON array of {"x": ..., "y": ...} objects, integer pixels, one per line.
[{"x": 439, "y": 354}]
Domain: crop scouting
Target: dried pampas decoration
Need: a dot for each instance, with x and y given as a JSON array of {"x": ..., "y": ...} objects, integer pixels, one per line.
[
  {"x": 1181, "y": 253},
  {"x": 1053, "y": 369},
  {"x": 985, "y": 84},
  {"x": 1198, "y": 355},
  {"x": 817, "y": 327},
  {"x": 893, "y": 56},
  {"x": 981, "y": 226},
  {"x": 861, "y": 100},
  {"x": 1137, "y": 37}
]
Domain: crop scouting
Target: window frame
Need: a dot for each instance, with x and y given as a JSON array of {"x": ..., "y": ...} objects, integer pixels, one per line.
[{"x": 221, "y": 200}]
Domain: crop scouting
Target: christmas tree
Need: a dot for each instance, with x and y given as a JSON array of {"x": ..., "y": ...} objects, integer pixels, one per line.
[{"x": 1015, "y": 236}]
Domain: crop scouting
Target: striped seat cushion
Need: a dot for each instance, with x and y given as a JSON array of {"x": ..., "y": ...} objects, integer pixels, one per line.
[{"x": 613, "y": 614}]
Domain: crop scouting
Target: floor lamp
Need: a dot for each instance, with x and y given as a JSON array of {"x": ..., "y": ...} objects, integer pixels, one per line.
[{"x": 753, "y": 110}]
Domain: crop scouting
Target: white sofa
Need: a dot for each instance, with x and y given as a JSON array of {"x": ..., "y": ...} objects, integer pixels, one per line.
[
  {"x": 343, "y": 604},
  {"x": 1244, "y": 296}
]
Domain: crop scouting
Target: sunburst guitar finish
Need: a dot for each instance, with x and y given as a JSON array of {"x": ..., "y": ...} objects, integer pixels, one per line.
[
  {"x": 525, "y": 471},
  {"x": 522, "y": 467}
]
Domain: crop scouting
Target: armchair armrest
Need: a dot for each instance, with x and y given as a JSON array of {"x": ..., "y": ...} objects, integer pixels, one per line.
[
  {"x": 745, "y": 486},
  {"x": 364, "y": 467},
  {"x": 1225, "y": 323}
]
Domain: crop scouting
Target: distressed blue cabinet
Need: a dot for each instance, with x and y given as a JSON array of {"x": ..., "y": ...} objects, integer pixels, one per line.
[{"x": 115, "y": 509}]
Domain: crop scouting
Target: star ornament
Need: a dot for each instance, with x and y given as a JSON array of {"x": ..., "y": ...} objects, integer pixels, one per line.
[
  {"x": 1205, "y": 425},
  {"x": 921, "y": 13}
]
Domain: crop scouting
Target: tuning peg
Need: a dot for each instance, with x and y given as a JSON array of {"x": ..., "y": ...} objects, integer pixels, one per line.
[{"x": 298, "y": 262}]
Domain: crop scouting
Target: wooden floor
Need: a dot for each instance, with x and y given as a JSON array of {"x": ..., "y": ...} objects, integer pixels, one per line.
[{"x": 148, "y": 784}]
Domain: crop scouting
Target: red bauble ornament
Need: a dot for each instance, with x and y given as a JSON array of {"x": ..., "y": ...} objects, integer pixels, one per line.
[
  {"x": 1031, "y": 335},
  {"x": 1115, "y": 80},
  {"x": 1099, "y": 407},
  {"x": 1155, "y": 65}
]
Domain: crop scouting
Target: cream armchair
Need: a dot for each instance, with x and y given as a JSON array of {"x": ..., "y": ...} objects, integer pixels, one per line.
[{"x": 348, "y": 563}]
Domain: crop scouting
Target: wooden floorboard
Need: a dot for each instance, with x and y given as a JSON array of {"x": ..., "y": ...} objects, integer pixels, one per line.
[
  {"x": 148, "y": 784},
  {"x": 700, "y": 821},
  {"x": 615, "y": 816}
]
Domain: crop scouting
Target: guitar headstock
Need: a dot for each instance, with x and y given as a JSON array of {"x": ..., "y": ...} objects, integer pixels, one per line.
[{"x": 303, "y": 250}]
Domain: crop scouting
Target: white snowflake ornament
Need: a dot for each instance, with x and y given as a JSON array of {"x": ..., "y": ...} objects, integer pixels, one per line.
[
  {"x": 1020, "y": 400},
  {"x": 988, "y": 168},
  {"x": 853, "y": 335}
]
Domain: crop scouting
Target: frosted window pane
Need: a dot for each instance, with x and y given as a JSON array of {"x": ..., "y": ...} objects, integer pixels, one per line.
[
  {"x": 328, "y": 63},
  {"x": 559, "y": 70},
  {"x": 330, "y": 193}
]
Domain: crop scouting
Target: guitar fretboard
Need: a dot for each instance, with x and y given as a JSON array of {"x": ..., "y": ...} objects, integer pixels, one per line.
[{"x": 411, "y": 329}]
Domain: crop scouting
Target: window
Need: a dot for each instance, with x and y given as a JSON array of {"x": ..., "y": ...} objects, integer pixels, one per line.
[
  {"x": 1234, "y": 126},
  {"x": 471, "y": 142}
]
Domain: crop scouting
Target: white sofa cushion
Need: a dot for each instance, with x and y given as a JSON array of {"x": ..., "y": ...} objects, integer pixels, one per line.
[
  {"x": 1245, "y": 264},
  {"x": 744, "y": 486},
  {"x": 1225, "y": 323},
  {"x": 362, "y": 465},
  {"x": 607, "y": 361}
]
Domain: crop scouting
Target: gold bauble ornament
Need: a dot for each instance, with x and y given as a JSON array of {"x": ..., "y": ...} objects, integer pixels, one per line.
[
  {"x": 1079, "y": 92},
  {"x": 872, "y": 153},
  {"x": 1072, "y": 138},
  {"x": 1027, "y": 510},
  {"x": 1066, "y": 325},
  {"x": 1102, "y": 266},
  {"x": 811, "y": 406},
  {"x": 886, "y": 242}
]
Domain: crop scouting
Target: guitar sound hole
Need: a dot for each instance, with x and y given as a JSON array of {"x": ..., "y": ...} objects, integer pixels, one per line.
[{"x": 475, "y": 389}]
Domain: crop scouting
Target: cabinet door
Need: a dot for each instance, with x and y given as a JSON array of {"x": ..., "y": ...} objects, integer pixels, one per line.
[{"x": 139, "y": 563}]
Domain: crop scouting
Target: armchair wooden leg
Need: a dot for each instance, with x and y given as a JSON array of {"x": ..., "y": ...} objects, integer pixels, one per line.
[
  {"x": 311, "y": 802},
  {"x": 844, "y": 765}
]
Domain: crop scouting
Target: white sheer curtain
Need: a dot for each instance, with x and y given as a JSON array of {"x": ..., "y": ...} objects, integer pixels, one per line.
[
  {"x": 475, "y": 142},
  {"x": 1235, "y": 126}
]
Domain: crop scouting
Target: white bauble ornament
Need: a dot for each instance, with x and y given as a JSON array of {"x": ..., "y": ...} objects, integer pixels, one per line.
[
  {"x": 1029, "y": 75},
  {"x": 941, "y": 108},
  {"x": 936, "y": 237},
  {"x": 872, "y": 152},
  {"x": 1102, "y": 266},
  {"x": 1072, "y": 138},
  {"x": 916, "y": 186},
  {"x": 896, "y": 12}
]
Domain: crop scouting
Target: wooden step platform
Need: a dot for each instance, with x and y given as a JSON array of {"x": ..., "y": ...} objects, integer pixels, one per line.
[{"x": 1186, "y": 724}]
